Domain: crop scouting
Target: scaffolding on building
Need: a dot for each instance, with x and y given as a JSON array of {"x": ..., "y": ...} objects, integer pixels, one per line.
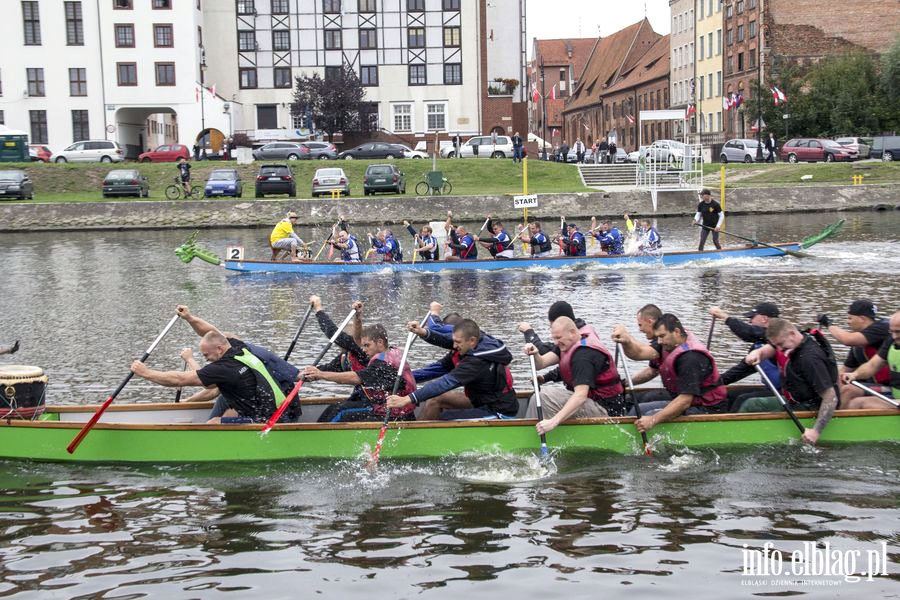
[{"x": 668, "y": 165}]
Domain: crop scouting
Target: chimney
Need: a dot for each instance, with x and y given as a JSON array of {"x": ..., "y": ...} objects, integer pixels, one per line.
[{"x": 569, "y": 48}]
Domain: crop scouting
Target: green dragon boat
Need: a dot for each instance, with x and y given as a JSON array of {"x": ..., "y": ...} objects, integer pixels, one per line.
[{"x": 175, "y": 433}]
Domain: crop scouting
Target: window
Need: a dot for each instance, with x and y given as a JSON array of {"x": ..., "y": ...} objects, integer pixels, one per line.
[
  {"x": 402, "y": 117},
  {"x": 280, "y": 7},
  {"x": 368, "y": 75},
  {"x": 729, "y": 11},
  {"x": 35, "y": 82},
  {"x": 165, "y": 73},
  {"x": 368, "y": 39},
  {"x": 729, "y": 37},
  {"x": 38, "y": 120},
  {"x": 367, "y": 6},
  {"x": 417, "y": 75},
  {"x": 709, "y": 45},
  {"x": 247, "y": 77},
  {"x": 32, "y": 22},
  {"x": 77, "y": 82},
  {"x": 709, "y": 83},
  {"x": 701, "y": 47},
  {"x": 415, "y": 37},
  {"x": 74, "y": 24},
  {"x": 451, "y": 37},
  {"x": 122, "y": 4},
  {"x": 125, "y": 36},
  {"x": 80, "y": 128},
  {"x": 162, "y": 4},
  {"x": 281, "y": 40},
  {"x": 740, "y": 33},
  {"x": 451, "y": 4},
  {"x": 415, "y": 5},
  {"x": 719, "y": 83},
  {"x": 246, "y": 41},
  {"x": 436, "y": 115},
  {"x": 246, "y": 7},
  {"x": 701, "y": 86},
  {"x": 718, "y": 42},
  {"x": 751, "y": 3},
  {"x": 740, "y": 6},
  {"x": 2, "y": 118},
  {"x": 298, "y": 121},
  {"x": 333, "y": 39},
  {"x": 453, "y": 74},
  {"x": 718, "y": 121},
  {"x": 281, "y": 77},
  {"x": 331, "y": 6},
  {"x": 752, "y": 32},
  {"x": 333, "y": 73},
  {"x": 740, "y": 61},
  {"x": 751, "y": 56},
  {"x": 162, "y": 36},
  {"x": 709, "y": 10},
  {"x": 126, "y": 73}
]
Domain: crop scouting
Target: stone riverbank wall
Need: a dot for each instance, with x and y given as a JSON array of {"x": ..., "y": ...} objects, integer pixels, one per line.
[{"x": 135, "y": 214}]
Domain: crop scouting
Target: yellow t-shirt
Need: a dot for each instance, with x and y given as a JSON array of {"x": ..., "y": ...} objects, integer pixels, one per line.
[{"x": 282, "y": 230}]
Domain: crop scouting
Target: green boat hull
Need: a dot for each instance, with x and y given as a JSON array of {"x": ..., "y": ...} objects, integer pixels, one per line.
[{"x": 135, "y": 443}]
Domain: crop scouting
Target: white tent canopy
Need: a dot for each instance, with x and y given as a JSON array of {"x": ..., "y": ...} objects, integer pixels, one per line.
[{"x": 662, "y": 115}]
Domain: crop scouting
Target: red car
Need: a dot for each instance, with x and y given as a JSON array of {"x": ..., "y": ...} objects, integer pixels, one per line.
[
  {"x": 166, "y": 153},
  {"x": 815, "y": 149},
  {"x": 39, "y": 153}
]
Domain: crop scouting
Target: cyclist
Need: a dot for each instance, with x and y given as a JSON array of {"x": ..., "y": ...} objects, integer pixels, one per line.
[{"x": 184, "y": 170}]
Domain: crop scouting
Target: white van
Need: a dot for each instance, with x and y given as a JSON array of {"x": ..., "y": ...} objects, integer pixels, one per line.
[
  {"x": 91, "y": 151},
  {"x": 486, "y": 148}
]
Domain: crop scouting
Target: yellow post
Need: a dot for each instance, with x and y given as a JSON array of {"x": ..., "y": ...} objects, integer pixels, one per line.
[
  {"x": 525, "y": 193},
  {"x": 335, "y": 194},
  {"x": 722, "y": 190}
]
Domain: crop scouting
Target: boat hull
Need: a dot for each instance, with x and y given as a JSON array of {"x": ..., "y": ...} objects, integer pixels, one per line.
[
  {"x": 148, "y": 443},
  {"x": 490, "y": 264}
]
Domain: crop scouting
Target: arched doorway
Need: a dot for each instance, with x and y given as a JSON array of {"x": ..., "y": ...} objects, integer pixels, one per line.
[
  {"x": 210, "y": 141},
  {"x": 498, "y": 130}
]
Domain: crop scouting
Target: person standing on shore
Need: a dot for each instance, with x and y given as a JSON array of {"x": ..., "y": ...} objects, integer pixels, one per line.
[
  {"x": 711, "y": 216},
  {"x": 517, "y": 147}
]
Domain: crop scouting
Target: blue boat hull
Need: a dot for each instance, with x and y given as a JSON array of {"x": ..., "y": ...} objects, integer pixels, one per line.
[{"x": 555, "y": 262}]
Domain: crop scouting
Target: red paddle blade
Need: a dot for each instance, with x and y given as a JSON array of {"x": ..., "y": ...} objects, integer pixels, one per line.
[
  {"x": 277, "y": 415},
  {"x": 87, "y": 427}
]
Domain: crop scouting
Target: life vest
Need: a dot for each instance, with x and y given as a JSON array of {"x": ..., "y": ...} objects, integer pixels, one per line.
[
  {"x": 712, "y": 392},
  {"x": 396, "y": 253},
  {"x": 576, "y": 249},
  {"x": 864, "y": 353},
  {"x": 507, "y": 381},
  {"x": 378, "y": 397},
  {"x": 471, "y": 252},
  {"x": 265, "y": 383},
  {"x": 607, "y": 384},
  {"x": 893, "y": 360},
  {"x": 351, "y": 253},
  {"x": 429, "y": 254},
  {"x": 501, "y": 246},
  {"x": 792, "y": 383},
  {"x": 541, "y": 247},
  {"x": 653, "y": 244}
]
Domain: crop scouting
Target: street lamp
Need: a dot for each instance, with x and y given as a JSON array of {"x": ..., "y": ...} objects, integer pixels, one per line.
[
  {"x": 543, "y": 115},
  {"x": 202, "y": 94},
  {"x": 759, "y": 88}
]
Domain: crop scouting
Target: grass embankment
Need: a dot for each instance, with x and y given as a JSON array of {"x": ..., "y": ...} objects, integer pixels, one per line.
[
  {"x": 82, "y": 182},
  {"x": 785, "y": 174}
]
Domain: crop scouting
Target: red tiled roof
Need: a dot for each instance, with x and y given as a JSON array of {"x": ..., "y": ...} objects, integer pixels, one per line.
[
  {"x": 652, "y": 65},
  {"x": 556, "y": 53}
]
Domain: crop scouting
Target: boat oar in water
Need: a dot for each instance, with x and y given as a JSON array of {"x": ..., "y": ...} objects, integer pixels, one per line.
[
  {"x": 829, "y": 231},
  {"x": 796, "y": 253},
  {"x": 10, "y": 349},
  {"x": 293, "y": 394},
  {"x": 637, "y": 405},
  {"x": 781, "y": 399},
  {"x": 90, "y": 424},
  {"x": 545, "y": 452},
  {"x": 290, "y": 349},
  {"x": 410, "y": 338},
  {"x": 712, "y": 326},
  {"x": 179, "y": 390},
  {"x": 869, "y": 390}
]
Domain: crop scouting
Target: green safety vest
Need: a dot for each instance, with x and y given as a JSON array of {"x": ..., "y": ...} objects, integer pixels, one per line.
[
  {"x": 249, "y": 359},
  {"x": 893, "y": 360}
]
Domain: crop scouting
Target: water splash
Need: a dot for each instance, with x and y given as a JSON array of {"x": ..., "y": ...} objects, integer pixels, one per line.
[
  {"x": 500, "y": 467},
  {"x": 687, "y": 459}
]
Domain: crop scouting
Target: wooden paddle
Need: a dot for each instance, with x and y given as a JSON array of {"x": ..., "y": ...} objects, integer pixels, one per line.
[
  {"x": 796, "y": 253},
  {"x": 290, "y": 349},
  {"x": 545, "y": 452},
  {"x": 781, "y": 399},
  {"x": 410, "y": 338},
  {"x": 876, "y": 394},
  {"x": 274, "y": 418},
  {"x": 325, "y": 243},
  {"x": 93, "y": 421},
  {"x": 637, "y": 405}
]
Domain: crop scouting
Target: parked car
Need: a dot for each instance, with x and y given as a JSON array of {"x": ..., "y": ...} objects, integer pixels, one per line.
[
  {"x": 373, "y": 150},
  {"x": 40, "y": 153},
  {"x": 329, "y": 179},
  {"x": 863, "y": 146},
  {"x": 572, "y": 156},
  {"x": 125, "y": 182},
  {"x": 275, "y": 179},
  {"x": 815, "y": 149},
  {"x": 739, "y": 150},
  {"x": 886, "y": 147},
  {"x": 383, "y": 178},
  {"x": 321, "y": 150},
  {"x": 502, "y": 149},
  {"x": 16, "y": 184},
  {"x": 223, "y": 182},
  {"x": 166, "y": 153},
  {"x": 410, "y": 153},
  {"x": 635, "y": 157},
  {"x": 91, "y": 151},
  {"x": 281, "y": 151},
  {"x": 668, "y": 151}
]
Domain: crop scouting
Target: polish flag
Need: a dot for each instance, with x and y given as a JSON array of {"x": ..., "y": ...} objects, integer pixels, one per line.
[
  {"x": 691, "y": 109},
  {"x": 726, "y": 104},
  {"x": 630, "y": 119},
  {"x": 553, "y": 92},
  {"x": 212, "y": 89},
  {"x": 535, "y": 95},
  {"x": 196, "y": 93},
  {"x": 778, "y": 96}
]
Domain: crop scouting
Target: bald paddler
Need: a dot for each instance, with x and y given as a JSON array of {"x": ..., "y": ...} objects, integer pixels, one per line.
[
  {"x": 499, "y": 244},
  {"x": 387, "y": 246}
]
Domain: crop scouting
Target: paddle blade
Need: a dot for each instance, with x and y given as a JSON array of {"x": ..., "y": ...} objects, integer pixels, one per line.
[
  {"x": 831, "y": 231},
  {"x": 76, "y": 441},
  {"x": 277, "y": 415}
]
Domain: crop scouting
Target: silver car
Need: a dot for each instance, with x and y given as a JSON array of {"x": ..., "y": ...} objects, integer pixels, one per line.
[
  {"x": 326, "y": 180},
  {"x": 487, "y": 148},
  {"x": 739, "y": 150},
  {"x": 91, "y": 151},
  {"x": 863, "y": 146},
  {"x": 281, "y": 151}
]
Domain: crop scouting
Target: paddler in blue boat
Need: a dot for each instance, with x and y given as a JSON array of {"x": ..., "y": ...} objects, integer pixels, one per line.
[
  {"x": 386, "y": 245},
  {"x": 462, "y": 243},
  {"x": 425, "y": 243},
  {"x": 348, "y": 246},
  {"x": 499, "y": 244},
  {"x": 571, "y": 240},
  {"x": 538, "y": 241},
  {"x": 611, "y": 240}
]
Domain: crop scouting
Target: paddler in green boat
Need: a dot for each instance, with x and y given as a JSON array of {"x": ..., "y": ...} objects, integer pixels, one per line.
[{"x": 888, "y": 356}]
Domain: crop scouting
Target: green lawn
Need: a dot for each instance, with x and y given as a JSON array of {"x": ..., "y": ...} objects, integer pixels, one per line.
[
  {"x": 71, "y": 182},
  {"x": 758, "y": 175}
]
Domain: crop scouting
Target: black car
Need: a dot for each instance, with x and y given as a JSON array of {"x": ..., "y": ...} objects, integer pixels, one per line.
[
  {"x": 125, "y": 182},
  {"x": 16, "y": 184},
  {"x": 383, "y": 178},
  {"x": 275, "y": 179},
  {"x": 373, "y": 150}
]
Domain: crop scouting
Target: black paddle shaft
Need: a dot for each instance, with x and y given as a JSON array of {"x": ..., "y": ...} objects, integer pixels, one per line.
[
  {"x": 781, "y": 399},
  {"x": 634, "y": 400},
  {"x": 299, "y": 331}
]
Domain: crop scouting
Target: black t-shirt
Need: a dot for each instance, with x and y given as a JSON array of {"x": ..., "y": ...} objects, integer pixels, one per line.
[
  {"x": 654, "y": 343},
  {"x": 587, "y": 364},
  {"x": 185, "y": 170},
  {"x": 709, "y": 213},
  {"x": 692, "y": 368},
  {"x": 238, "y": 385},
  {"x": 876, "y": 334},
  {"x": 808, "y": 374},
  {"x": 378, "y": 375}
]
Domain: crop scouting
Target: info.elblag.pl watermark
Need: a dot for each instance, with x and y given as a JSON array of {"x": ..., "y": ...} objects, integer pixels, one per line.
[{"x": 812, "y": 565}]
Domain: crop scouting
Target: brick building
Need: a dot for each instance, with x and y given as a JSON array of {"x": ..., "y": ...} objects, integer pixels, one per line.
[{"x": 627, "y": 72}]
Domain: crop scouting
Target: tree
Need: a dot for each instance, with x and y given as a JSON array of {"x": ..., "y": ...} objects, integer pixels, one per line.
[{"x": 334, "y": 104}]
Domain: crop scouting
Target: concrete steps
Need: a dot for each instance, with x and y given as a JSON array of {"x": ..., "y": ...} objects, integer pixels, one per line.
[{"x": 603, "y": 176}]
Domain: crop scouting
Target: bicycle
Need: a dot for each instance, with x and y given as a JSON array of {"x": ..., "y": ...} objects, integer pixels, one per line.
[
  {"x": 176, "y": 191},
  {"x": 434, "y": 184}
]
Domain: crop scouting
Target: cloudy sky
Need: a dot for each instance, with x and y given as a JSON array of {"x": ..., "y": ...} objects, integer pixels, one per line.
[{"x": 547, "y": 19}]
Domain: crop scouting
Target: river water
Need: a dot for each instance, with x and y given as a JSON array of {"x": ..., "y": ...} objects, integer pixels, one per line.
[{"x": 84, "y": 304}]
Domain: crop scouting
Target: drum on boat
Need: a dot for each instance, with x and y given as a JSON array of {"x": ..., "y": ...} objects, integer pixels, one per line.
[{"x": 22, "y": 391}]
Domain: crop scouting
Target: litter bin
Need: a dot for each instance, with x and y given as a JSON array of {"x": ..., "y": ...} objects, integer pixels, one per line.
[{"x": 435, "y": 181}]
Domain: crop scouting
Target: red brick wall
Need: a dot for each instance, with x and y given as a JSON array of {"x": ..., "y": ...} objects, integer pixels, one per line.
[{"x": 810, "y": 27}]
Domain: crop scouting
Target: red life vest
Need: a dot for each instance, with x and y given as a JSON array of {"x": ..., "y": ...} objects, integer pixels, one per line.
[
  {"x": 883, "y": 376},
  {"x": 782, "y": 360},
  {"x": 455, "y": 358},
  {"x": 607, "y": 384},
  {"x": 378, "y": 397},
  {"x": 712, "y": 392}
]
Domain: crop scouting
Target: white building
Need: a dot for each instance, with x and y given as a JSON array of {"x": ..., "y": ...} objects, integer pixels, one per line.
[{"x": 123, "y": 70}]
